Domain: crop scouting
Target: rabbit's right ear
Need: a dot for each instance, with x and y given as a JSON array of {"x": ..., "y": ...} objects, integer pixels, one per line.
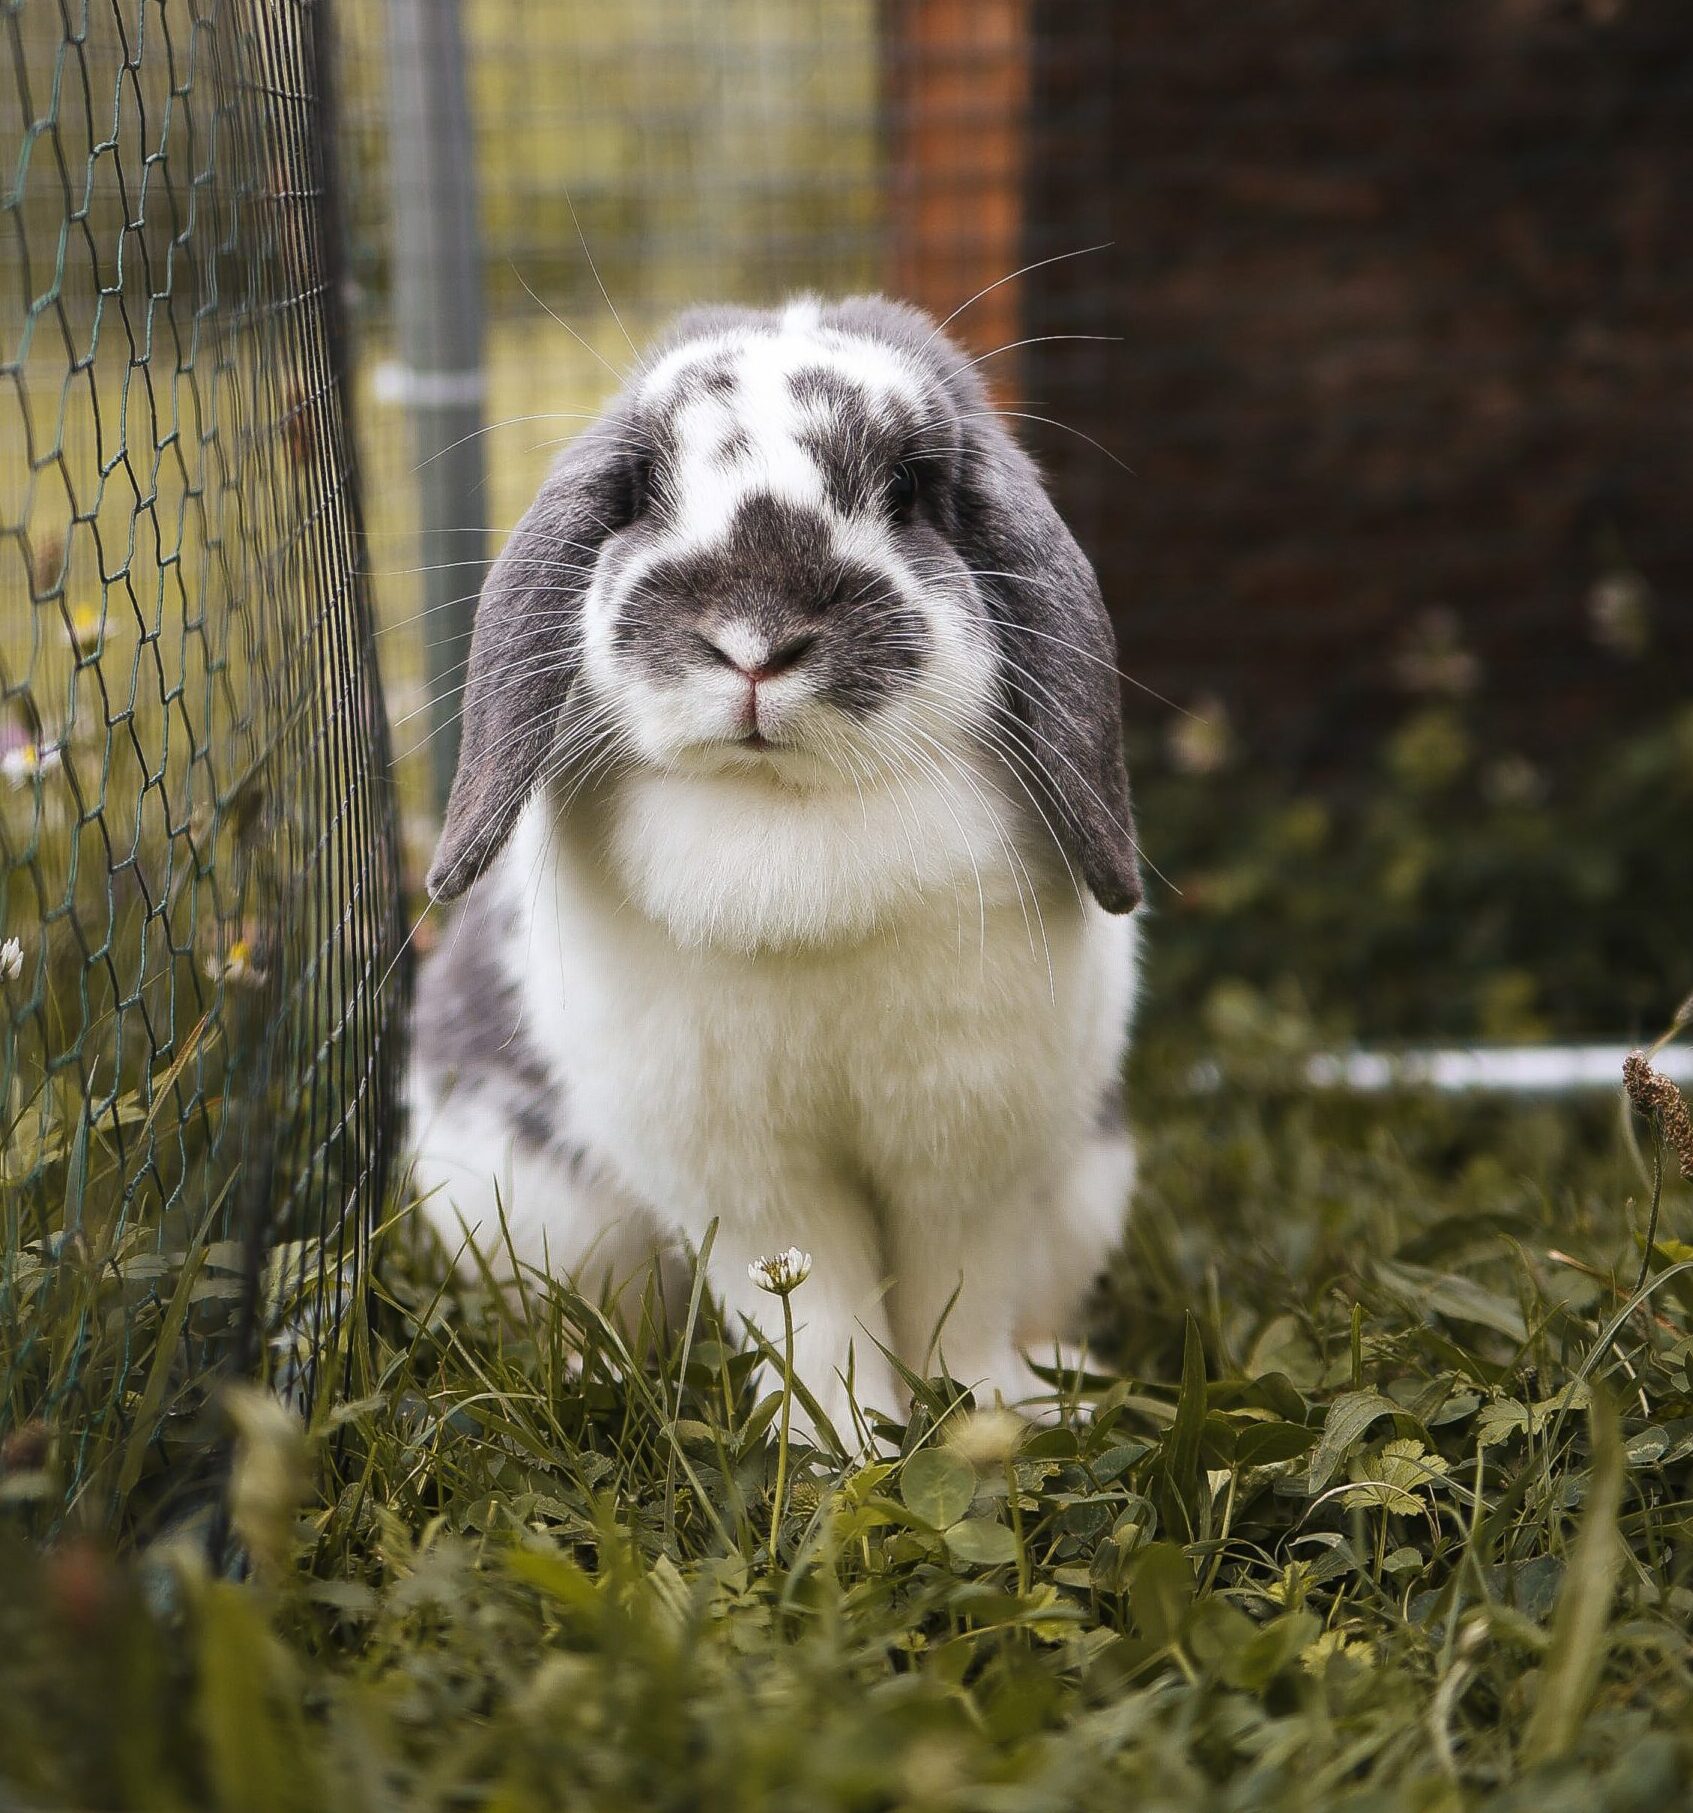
[{"x": 524, "y": 656}]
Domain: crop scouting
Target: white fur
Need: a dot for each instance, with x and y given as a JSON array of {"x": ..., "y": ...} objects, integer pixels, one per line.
[
  {"x": 839, "y": 993},
  {"x": 878, "y": 1065}
]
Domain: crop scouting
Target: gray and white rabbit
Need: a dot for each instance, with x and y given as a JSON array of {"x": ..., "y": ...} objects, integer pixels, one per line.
[{"x": 792, "y": 792}]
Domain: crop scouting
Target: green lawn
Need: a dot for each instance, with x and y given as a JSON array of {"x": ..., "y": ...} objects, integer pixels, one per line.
[{"x": 1378, "y": 1498}]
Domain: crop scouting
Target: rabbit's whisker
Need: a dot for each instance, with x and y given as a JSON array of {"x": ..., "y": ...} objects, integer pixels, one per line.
[
  {"x": 400, "y": 623},
  {"x": 1022, "y": 769},
  {"x": 1017, "y": 867},
  {"x": 1017, "y": 763},
  {"x": 516, "y": 730},
  {"x": 927, "y": 767},
  {"x": 1030, "y": 731},
  {"x": 1025, "y": 415},
  {"x": 1039, "y": 264},
  {"x": 599, "y": 281},
  {"x": 620, "y": 376},
  {"x": 447, "y": 566},
  {"x": 510, "y": 421},
  {"x": 1011, "y": 346},
  {"x": 942, "y": 571},
  {"x": 449, "y": 684}
]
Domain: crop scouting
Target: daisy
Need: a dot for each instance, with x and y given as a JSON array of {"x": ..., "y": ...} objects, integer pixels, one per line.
[{"x": 25, "y": 762}]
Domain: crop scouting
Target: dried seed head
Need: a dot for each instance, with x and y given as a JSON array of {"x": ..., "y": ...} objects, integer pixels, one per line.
[
  {"x": 270, "y": 1478},
  {"x": 82, "y": 1585},
  {"x": 46, "y": 563},
  {"x": 1653, "y": 1093}
]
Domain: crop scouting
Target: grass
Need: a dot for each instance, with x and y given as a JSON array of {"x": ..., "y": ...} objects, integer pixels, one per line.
[{"x": 1375, "y": 1495}]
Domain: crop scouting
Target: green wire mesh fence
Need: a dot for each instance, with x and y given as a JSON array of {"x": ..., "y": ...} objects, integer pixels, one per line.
[{"x": 199, "y": 898}]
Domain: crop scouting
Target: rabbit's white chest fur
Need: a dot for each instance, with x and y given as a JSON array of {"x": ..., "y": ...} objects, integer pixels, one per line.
[
  {"x": 852, "y": 1025},
  {"x": 756, "y": 986}
]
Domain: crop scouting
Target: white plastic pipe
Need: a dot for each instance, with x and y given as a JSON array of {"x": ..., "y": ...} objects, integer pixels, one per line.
[{"x": 1478, "y": 1069}]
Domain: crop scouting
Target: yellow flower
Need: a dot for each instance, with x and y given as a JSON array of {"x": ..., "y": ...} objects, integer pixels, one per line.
[
  {"x": 236, "y": 965},
  {"x": 87, "y": 621}
]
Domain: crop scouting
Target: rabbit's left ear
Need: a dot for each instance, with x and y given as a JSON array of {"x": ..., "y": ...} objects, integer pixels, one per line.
[{"x": 1059, "y": 657}]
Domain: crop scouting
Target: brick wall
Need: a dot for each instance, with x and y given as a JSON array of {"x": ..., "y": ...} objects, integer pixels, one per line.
[{"x": 1406, "y": 291}]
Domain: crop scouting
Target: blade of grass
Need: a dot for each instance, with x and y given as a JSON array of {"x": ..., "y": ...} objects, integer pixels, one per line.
[{"x": 1576, "y": 1654}]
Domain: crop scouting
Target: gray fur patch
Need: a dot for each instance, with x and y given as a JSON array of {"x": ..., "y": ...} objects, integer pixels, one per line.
[
  {"x": 819, "y": 385},
  {"x": 468, "y": 1030},
  {"x": 776, "y": 570}
]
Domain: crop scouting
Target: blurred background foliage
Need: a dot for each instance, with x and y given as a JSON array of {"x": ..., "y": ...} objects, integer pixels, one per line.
[{"x": 1443, "y": 888}]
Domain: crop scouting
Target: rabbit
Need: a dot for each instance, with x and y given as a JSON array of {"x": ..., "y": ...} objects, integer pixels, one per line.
[{"x": 792, "y": 807}]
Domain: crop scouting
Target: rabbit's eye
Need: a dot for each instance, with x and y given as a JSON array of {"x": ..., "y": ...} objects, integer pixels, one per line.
[{"x": 902, "y": 490}]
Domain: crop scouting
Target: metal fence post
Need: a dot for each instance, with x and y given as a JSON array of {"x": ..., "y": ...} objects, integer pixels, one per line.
[{"x": 438, "y": 302}]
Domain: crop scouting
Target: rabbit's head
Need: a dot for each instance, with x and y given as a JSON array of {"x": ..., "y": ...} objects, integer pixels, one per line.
[{"x": 802, "y": 547}]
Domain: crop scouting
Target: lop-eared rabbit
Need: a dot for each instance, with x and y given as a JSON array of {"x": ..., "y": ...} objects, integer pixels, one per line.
[{"x": 792, "y": 810}]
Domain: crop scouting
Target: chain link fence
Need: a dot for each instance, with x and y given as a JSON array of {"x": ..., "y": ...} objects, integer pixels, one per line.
[{"x": 199, "y": 893}]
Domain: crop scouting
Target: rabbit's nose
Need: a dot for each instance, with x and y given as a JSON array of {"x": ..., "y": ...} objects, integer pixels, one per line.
[
  {"x": 752, "y": 656},
  {"x": 782, "y": 657}
]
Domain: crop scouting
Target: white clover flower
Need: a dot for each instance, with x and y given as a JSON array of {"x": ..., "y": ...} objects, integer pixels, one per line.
[
  {"x": 1432, "y": 658},
  {"x": 1619, "y": 614},
  {"x": 986, "y": 1438},
  {"x": 783, "y": 1273},
  {"x": 11, "y": 960},
  {"x": 24, "y": 762}
]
